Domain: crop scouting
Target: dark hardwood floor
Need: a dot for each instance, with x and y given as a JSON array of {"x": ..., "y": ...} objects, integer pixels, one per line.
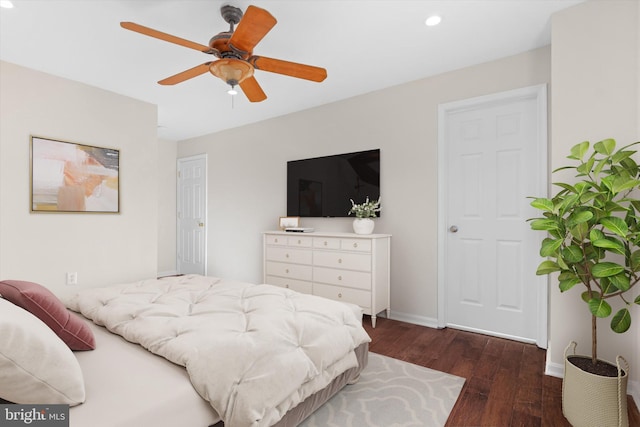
[{"x": 505, "y": 382}]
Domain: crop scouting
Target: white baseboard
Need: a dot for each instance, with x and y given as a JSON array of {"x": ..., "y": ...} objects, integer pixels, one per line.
[
  {"x": 412, "y": 318},
  {"x": 167, "y": 273}
]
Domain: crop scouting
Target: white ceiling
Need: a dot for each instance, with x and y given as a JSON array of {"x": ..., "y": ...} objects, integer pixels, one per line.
[{"x": 364, "y": 45}]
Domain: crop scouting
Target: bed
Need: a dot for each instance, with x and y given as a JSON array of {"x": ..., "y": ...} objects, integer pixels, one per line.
[{"x": 290, "y": 354}]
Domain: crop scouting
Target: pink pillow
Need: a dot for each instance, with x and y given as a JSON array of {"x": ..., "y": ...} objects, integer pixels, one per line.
[{"x": 43, "y": 304}]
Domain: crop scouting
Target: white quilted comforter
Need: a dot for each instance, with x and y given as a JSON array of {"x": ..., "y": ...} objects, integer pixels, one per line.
[{"x": 252, "y": 351}]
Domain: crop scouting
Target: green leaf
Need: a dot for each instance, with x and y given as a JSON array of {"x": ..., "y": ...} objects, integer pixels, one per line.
[
  {"x": 578, "y": 150},
  {"x": 615, "y": 225},
  {"x": 562, "y": 264},
  {"x": 580, "y": 231},
  {"x": 596, "y": 234},
  {"x": 544, "y": 224},
  {"x": 607, "y": 286},
  {"x": 606, "y": 146},
  {"x": 611, "y": 244},
  {"x": 578, "y": 217},
  {"x": 568, "y": 203},
  {"x": 621, "y": 155},
  {"x": 565, "y": 285},
  {"x": 621, "y": 281},
  {"x": 572, "y": 254},
  {"x": 637, "y": 300},
  {"x": 543, "y": 204},
  {"x": 547, "y": 267},
  {"x": 585, "y": 168},
  {"x": 634, "y": 261},
  {"x": 606, "y": 269},
  {"x": 567, "y": 187},
  {"x": 623, "y": 183},
  {"x": 621, "y": 322},
  {"x": 601, "y": 164},
  {"x": 549, "y": 247},
  {"x": 599, "y": 307},
  {"x": 585, "y": 296}
]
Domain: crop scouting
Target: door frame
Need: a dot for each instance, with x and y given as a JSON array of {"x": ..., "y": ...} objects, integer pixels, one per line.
[
  {"x": 539, "y": 93},
  {"x": 179, "y": 162}
]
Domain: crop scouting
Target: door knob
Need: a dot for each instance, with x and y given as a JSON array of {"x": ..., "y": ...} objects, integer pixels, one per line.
[{"x": 453, "y": 229}]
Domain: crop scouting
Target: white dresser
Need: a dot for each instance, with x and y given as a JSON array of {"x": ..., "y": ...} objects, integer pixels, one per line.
[{"x": 341, "y": 266}]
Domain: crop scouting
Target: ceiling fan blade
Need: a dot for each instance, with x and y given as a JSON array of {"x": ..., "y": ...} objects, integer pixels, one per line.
[
  {"x": 293, "y": 69},
  {"x": 252, "y": 89},
  {"x": 166, "y": 37},
  {"x": 253, "y": 26},
  {"x": 186, "y": 75}
]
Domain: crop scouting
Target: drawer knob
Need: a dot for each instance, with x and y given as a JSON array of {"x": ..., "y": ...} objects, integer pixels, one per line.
[
  {"x": 326, "y": 243},
  {"x": 339, "y": 260},
  {"x": 340, "y": 295},
  {"x": 355, "y": 245},
  {"x": 286, "y": 286},
  {"x": 299, "y": 242},
  {"x": 339, "y": 277},
  {"x": 286, "y": 271},
  {"x": 286, "y": 255},
  {"x": 276, "y": 240}
]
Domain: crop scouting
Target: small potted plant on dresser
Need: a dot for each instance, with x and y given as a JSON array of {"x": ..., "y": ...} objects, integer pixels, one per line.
[
  {"x": 594, "y": 238},
  {"x": 364, "y": 212}
]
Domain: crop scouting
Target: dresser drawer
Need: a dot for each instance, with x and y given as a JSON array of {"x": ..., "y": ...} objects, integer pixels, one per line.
[
  {"x": 293, "y": 284},
  {"x": 326, "y": 243},
  {"x": 300, "y": 241},
  {"x": 358, "y": 245},
  {"x": 294, "y": 271},
  {"x": 286, "y": 254},
  {"x": 350, "y": 261},
  {"x": 276, "y": 240},
  {"x": 339, "y": 293},
  {"x": 348, "y": 278}
]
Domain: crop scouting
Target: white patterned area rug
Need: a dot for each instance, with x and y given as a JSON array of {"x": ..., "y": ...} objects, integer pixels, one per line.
[{"x": 391, "y": 393}]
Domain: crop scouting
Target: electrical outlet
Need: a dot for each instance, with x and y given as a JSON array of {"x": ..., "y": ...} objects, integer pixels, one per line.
[{"x": 72, "y": 278}]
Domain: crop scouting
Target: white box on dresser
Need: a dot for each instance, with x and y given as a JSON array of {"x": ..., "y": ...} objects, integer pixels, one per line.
[{"x": 342, "y": 266}]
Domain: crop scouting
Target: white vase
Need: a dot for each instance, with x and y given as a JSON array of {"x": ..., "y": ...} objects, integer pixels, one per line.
[{"x": 363, "y": 225}]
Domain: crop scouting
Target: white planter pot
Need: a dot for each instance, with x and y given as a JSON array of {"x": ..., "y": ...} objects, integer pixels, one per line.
[
  {"x": 363, "y": 225},
  {"x": 590, "y": 400}
]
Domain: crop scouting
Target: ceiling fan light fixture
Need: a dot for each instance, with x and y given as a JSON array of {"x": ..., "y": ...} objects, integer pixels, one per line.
[
  {"x": 232, "y": 91},
  {"x": 231, "y": 71},
  {"x": 433, "y": 20},
  {"x": 6, "y": 4}
]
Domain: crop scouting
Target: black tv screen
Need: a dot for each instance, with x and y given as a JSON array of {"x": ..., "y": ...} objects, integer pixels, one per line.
[{"x": 324, "y": 186}]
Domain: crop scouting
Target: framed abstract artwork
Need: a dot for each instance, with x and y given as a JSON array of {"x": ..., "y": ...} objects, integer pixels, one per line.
[{"x": 70, "y": 177}]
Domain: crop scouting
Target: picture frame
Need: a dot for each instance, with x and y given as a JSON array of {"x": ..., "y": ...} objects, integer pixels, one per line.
[
  {"x": 73, "y": 178},
  {"x": 289, "y": 222}
]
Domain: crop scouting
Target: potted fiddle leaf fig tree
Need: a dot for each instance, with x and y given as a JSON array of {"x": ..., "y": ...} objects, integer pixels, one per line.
[{"x": 593, "y": 226}]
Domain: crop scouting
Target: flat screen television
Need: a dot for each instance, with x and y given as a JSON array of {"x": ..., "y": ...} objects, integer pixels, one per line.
[{"x": 324, "y": 186}]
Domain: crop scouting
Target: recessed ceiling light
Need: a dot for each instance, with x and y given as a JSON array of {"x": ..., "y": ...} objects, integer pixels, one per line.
[
  {"x": 6, "y": 4},
  {"x": 433, "y": 20}
]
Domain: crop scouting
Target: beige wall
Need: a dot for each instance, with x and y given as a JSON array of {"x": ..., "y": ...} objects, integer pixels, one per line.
[
  {"x": 247, "y": 172},
  {"x": 101, "y": 248},
  {"x": 595, "y": 83},
  {"x": 167, "y": 170}
]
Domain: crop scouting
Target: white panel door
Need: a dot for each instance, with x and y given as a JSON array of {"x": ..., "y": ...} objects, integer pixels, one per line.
[
  {"x": 495, "y": 157},
  {"x": 192, "y": 215}
]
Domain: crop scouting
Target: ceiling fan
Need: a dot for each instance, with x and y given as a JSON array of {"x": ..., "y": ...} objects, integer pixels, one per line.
[{"x": 234, "y": 49}]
